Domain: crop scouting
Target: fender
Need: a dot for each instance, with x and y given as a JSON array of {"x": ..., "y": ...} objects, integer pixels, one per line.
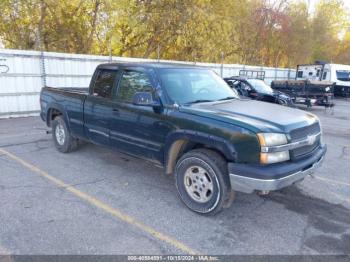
[
  {"x": 178, "y": 139},
  {"x": 57, "y": 107}
]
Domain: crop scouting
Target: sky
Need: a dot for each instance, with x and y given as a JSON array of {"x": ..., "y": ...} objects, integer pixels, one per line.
[{"x": 312, "y": 4}]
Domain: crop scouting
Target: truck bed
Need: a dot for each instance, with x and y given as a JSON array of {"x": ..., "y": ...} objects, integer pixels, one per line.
[
  {"x": 69, "y": 100},
  {"x": 77, "y": 90}
]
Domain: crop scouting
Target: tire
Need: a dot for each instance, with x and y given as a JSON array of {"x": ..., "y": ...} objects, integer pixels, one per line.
[
  {"x": 62, "y": 138},
  {"x": 206, "y": 170}
]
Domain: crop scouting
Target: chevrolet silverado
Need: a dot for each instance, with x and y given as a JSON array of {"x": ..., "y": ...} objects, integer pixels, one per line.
[{"x": 188, "y": 120}]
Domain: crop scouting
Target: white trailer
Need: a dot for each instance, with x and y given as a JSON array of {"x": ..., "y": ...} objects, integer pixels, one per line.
[{"x": 336, "y": 73}]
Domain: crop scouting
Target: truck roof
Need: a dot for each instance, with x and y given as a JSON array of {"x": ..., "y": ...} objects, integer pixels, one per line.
[{"x": 115, "y": 65}]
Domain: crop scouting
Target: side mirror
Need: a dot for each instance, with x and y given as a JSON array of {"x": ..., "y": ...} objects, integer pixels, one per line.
[{"x": 144, "y": 99}]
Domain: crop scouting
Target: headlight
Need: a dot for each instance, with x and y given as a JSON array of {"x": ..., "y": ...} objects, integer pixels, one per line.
[
  {"x": 270, "y": 158},
  {"x": 272, "y": 139},
  {"x": 267, "y": 140}
]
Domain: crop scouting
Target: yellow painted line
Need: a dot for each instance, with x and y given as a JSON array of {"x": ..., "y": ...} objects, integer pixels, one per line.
[
  {"x": 332, "y": 181},
  {"x": 97, "y": 203}
]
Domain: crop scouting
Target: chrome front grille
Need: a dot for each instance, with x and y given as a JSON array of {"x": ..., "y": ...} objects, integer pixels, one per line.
[
  {"x": 304, "y": 150},
  {"x": 303, "y": 133}
]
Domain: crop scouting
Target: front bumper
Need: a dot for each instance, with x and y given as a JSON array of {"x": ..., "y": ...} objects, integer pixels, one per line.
[{"x": 249, "y": 178}]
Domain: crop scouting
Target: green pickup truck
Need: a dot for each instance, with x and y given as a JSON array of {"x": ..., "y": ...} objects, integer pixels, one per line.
[{"x": 188, "y": 120}]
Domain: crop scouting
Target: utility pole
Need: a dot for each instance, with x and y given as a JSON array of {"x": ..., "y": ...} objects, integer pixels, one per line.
[
  {"x": 222, "y": 65},
  {"x": 40, "y": 43},
  {"x": 110, "y": 50},
  {"x": 158, "y": 53}
]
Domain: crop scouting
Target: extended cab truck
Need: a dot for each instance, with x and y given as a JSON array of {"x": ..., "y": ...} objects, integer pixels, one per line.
[{"x": 188, "y": 120}]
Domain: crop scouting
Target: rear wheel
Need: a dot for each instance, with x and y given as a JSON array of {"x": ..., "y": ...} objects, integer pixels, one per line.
[
  {"x": 63, "y": 140},
  {"x": 202, "y": 181}
]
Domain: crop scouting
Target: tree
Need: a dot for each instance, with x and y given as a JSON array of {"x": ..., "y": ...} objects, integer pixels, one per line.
[
  {"x": 330, "y": 19},
  {"x": 257, "y": 32},
  {"x": 69, "y": 26},
  {"x": 297, "y": 43}
]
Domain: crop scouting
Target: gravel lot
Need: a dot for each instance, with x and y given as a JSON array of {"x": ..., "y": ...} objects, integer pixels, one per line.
[{"x": 95, "y": 201}]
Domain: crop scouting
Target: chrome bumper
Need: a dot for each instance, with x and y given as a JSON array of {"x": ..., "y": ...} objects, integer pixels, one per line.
[{"x": 249, "y": 185}]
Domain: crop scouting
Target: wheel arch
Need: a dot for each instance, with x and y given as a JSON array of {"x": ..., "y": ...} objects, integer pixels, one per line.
[
  {"x": 182, "y": 141},
  {"x": 55, "y": 110}
]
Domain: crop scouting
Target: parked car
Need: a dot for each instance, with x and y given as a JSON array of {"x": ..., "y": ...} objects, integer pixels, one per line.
[
  {"x": 257, "y": 89},
  {"x": 307, "y": 92},
  {"x": 189, "y": 121}
]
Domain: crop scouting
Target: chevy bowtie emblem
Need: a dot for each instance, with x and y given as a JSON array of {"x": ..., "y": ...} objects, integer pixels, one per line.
[{"x": 311, "y": 140}]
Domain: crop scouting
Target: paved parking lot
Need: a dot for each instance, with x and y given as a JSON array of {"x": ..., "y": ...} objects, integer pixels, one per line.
[{"x": 95, "y": 201}]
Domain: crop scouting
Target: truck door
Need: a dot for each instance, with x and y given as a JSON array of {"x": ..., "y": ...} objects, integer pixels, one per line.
[
  {"x": 97, "y": 107},
  {"x": 135, "y": 129}
]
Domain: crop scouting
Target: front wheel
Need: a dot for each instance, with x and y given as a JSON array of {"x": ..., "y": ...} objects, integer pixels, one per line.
[{"x": 202, "y": 181}]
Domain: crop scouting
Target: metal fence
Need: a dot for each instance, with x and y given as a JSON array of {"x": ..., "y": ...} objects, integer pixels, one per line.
[{"x": 24, "y": 73}]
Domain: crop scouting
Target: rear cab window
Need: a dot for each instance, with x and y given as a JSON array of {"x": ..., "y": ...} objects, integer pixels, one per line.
[{"x": 104, "y": 83}]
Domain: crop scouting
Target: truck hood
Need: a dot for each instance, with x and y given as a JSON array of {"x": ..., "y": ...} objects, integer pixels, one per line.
[{"x": 253, "y": 115}]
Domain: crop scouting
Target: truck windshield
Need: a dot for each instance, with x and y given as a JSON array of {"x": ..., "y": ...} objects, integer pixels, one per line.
[
  {"x": 260, "y": 86},
  {"x": 194, "y": 85},
  {"x": 343, "y": 75}
]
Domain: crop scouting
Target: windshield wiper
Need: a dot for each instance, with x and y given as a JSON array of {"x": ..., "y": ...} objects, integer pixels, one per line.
[
  {"x": 199, "y": 101},
  {"x": 227, "y": 98}
]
